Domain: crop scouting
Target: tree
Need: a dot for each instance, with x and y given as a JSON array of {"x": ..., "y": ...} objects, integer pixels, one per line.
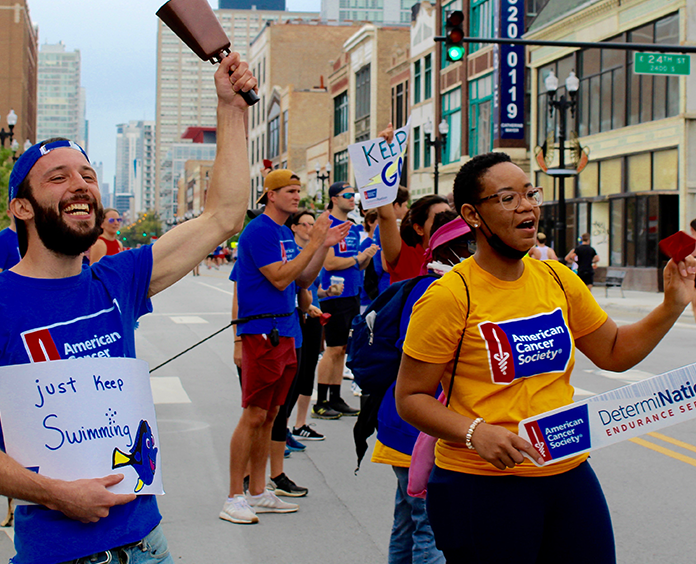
[
  {"x": 141, "y": 231},
  {"x": 6, "y": 165}
]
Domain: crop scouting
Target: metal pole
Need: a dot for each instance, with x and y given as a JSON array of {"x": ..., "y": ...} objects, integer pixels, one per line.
[
  {"x": 562, "y": 109},
  {"x": 581, "y": 44},
  {"x": 436, "y": 144}
]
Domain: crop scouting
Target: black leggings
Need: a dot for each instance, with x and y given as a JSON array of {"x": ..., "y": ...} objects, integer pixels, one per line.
[
  {"x": 311, "y": 345},
  {"x": 505, "y": 519}
]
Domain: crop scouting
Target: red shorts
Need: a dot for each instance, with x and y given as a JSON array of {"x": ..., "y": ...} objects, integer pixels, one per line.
[{"x": 267, "y": 371}]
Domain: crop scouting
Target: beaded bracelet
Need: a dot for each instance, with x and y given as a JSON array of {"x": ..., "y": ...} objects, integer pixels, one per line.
[{"x": 470, "y": 432}]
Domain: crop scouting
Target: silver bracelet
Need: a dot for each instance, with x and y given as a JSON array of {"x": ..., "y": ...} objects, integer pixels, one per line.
[{"x": 470, "y": 432}]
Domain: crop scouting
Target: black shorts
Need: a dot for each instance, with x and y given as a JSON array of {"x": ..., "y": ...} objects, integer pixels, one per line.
[
  {"x": 342, "y": 311},
  {"x": 587, "y": 276}
]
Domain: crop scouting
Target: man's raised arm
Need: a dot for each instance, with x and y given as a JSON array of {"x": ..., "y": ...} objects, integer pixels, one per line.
[{"x": 180, "y": 249}]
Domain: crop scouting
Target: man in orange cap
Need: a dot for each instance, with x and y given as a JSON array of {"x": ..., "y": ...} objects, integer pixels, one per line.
[{"x": 269, "y": 265}]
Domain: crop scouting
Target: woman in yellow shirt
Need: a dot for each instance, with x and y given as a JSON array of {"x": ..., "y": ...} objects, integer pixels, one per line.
[{"x": 487, "y": 503}]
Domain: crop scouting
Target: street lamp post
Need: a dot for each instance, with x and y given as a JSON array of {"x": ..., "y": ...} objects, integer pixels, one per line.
[
  {"x": 562, "y": 106},
  {"x": 15, "y": 147},
  {"x": 323, "y": 178},
  {"x": 11, "y": 122},
  {"x": 438, "y": 143}
]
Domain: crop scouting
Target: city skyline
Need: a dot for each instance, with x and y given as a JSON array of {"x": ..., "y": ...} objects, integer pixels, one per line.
[{"x": 118, "y": 46}]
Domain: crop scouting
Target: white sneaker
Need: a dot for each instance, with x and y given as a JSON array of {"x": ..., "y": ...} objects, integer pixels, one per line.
[
  {"x": 238, "y": 511},
  {"x": 268, "y": 502},
  {"x": 355, "y": 389}
]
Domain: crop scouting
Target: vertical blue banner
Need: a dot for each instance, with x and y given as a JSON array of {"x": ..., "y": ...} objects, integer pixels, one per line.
[{"x": 510, "y": 64}]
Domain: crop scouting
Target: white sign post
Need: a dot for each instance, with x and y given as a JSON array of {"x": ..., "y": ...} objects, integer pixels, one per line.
[
  {"x": 614, "y": 416},
  {"x": 83, "y": 418},
  {"x": 377, "y": 166}
]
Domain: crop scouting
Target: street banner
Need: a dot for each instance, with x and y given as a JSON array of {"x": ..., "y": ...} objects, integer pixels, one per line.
[
  {"x": 83, "y": 418},
  {"x": 614, "y": 416},
  {"x": 377, "y": 166}
]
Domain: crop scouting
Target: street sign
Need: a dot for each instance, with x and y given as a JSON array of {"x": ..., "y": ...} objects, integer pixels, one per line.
[{"x": 661, "y": 63}]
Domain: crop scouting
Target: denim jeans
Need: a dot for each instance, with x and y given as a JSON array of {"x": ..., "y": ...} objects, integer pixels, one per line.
[
  {"x": 152, "y": 549},
  {"x": 412, "y": 540}
]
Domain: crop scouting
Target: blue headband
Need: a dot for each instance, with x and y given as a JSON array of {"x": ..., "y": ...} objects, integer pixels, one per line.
[{"x": 28, "y": 159}]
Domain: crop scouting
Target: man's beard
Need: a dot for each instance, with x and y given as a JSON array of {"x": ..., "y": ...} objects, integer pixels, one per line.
[{"x": 58, "y": 236}]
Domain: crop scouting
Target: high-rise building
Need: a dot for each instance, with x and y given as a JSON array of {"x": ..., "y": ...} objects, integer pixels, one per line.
[
  {"x": 61, "y": 98},
  {"x": 134, "y": 183},
  {"x": 252, "y": 5},
  {"x": 186, "y": 91},
  {"x": 377, "y": 12},
  {"x": 18, "y": 46}
]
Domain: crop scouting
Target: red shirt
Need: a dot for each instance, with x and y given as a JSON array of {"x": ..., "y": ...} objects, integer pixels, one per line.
[
  {"x": 408, "y": 264},
  {"x": 112, "y": 247}
]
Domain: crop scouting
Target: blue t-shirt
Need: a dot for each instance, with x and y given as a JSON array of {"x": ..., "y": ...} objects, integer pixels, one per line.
[
  {"x": 377, "y": 260},
  {"x": 91, "y": 314},
  {"x": 364, "y": 298},
  {"x": 352, "y": 276},
  {"x": 264, "y": 242},
  {"x": 9, "y": 249}
]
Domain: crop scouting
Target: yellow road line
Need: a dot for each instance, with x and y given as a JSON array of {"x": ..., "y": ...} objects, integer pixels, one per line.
[
  {"x": 665, "y": 451},
  {"x": 675, "y": 442}
]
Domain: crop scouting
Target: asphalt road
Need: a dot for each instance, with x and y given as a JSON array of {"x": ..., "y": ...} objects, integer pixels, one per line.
[{"x": 346, "y": 518}]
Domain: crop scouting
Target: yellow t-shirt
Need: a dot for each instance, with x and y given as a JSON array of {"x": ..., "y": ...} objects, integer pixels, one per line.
[
  {"x": 387, "y": 455},
  {"x": 517, "y": 354}
]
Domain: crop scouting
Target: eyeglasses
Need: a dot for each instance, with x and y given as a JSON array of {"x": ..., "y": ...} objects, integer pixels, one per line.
[
  {"x": 307, "y": 225},
  {"x": 511, "y": 200},
  {"x": 115, "y": 220},
  {"x": 348, "y": 195}
]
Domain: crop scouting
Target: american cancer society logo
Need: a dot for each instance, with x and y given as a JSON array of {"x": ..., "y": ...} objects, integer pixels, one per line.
[
  {"x": 526, "y": 347},
  {"x": 562, "y": 434},
  {"x": 369, "y": 194}
]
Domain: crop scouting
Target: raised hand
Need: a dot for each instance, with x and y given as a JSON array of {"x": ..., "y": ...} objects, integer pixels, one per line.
[
  {"x": 337, "y": 233},
  {"x": 679, "y": 283},
  {"x": 233, "y": 75}
]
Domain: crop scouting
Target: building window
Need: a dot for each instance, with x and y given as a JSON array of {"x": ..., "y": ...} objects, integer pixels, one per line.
[
  {"x": 611, "y": 95},
  {"x": 399, "y": 108},
  {"x": 481, "y": 21},
  {"x": 341, "y": 113},
  {"x": 417, "y": 82},
  {"x": 427, "y": 77},
  {"x": 480, "y": 113},
  {"x": 452, "y": 112},
  {"x": 340, "y": 168},
  {"x": 362, "y": 92},
  {"x": 274, "y": 137},
  {"x": 285, "y": 131},
  {"x": 416, "y": 147}
]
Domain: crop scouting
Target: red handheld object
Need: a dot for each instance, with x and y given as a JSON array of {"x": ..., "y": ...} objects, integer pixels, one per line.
[
  {"x": 678, "y": 246},
  {"x": 324, "y": 318}
]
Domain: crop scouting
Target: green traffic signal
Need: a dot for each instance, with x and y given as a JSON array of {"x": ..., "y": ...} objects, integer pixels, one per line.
[
  {"x": 454, "y": 46},
  {"x": 455, "y": 53}
]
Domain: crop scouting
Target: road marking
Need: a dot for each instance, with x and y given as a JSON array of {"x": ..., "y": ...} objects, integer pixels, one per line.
[
  {"x": 663, "y": 450},
  {"x": 216, "y": 288},
  {"x": 675, "y": 442},
  {"x": 628, "y": 376},
  {"x": 168, "y": 389},
  {"x": 188, "y": 319}
]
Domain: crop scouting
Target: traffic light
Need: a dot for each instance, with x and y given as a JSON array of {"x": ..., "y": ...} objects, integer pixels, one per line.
[{"x": 454, "y": 47}]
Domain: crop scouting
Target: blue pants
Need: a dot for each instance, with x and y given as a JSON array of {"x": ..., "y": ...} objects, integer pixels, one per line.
[
  {"x": 412, "y": 540},
  {"x": 505, "y": 519}
]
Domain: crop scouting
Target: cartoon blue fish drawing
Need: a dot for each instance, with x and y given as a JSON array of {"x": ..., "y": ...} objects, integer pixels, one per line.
[{"x": 142, "y": 457}]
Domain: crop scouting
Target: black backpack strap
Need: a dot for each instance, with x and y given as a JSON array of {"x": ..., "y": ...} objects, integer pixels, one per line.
[
  {"x": 558, "y": 281},
  {"x": 461, "y": 339}
]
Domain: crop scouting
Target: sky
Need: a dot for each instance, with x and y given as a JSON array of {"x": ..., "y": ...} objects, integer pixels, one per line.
[{"x": 118, "y": 48}]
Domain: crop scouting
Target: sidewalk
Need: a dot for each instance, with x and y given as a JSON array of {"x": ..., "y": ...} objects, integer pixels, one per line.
[{"x": 637, "y": 302}]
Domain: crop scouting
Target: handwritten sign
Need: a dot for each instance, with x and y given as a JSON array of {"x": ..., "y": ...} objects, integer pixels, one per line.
[
  {"x": 615, "y": 416},
  {"x": 83, "y": 418},
  {"x": 377, "y": 166}
]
